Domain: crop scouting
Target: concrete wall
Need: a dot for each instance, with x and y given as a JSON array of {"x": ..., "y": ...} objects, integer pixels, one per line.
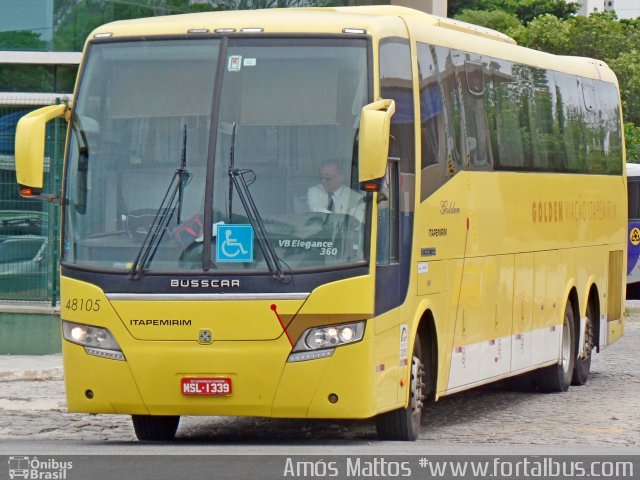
[{"x": 29, "y": 331}]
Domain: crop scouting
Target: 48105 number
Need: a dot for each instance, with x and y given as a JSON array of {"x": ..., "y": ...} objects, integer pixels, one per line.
[{"x": 83, "y": 305}]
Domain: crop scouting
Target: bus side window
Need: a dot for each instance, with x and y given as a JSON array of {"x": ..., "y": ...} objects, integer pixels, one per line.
[
  {"x": 544, "y": 122},
  {"x": 388, "y": 216},
  {"x": 634, "y": 199},
  {"x": 509, "y": 120},
  {"x": 477, "y": 143},
  {"x": 396, "y": 83},
  {"x": 433, "y": 127}
]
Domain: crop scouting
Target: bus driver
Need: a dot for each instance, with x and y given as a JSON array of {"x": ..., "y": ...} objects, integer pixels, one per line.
[{"x": 331, "y": 195}]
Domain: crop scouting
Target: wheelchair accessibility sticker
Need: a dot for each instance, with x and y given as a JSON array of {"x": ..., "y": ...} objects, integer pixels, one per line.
[{"x": 234, "y": 243}]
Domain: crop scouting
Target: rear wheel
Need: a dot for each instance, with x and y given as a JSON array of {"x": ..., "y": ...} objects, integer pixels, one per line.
[
  {"x": 154, "y": 427},
  {"x": 557, "y": 378},
  {"x": 404, "y": 423},
  {"x": 583, "y": 362}
]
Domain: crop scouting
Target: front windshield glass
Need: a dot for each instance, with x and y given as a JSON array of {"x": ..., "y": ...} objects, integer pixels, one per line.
[{"x": 284, "y": 185}]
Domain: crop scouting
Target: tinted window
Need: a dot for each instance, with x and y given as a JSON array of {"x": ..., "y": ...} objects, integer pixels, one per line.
[
  {"x": 634, "y": 200},
  {"x": 483, "y": 112},
  {"x": 477, "y": 146},
  {"x": 396, "y": 82}
]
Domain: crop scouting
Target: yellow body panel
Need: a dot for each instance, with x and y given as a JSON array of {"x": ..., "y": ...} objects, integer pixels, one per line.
[
  {"x": 229, "y": 320},
  {"x": 264, "y": 384},
  {"x": 512, "y": 269}
]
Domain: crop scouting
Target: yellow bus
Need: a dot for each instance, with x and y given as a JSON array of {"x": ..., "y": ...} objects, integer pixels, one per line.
[{"x": 329, "y": 213}]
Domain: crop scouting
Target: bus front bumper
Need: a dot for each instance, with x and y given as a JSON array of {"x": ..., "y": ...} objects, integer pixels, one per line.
[{"x": 263, "y": 383}]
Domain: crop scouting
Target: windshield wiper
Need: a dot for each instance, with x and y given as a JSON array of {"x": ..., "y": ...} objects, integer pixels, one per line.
[
  {"x": 182, "y": 174},
  {"x": 237, "y": 179},
  {"x": 163, "y": 216},
  {"x": 241, "y": 185}
]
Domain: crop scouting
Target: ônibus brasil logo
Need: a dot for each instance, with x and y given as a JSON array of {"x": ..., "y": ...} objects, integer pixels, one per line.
[{"x": 38, "y": 469}]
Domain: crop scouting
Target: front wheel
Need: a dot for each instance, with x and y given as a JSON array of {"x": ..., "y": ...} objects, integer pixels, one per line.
[
  {"x": 557, "y": 378},
  {"x": 404, "y": 423},
  {"x": 155, "y": 428}
]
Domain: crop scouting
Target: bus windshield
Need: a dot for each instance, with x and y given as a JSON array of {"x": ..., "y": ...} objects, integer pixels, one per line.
[{"x": 183, "y": 152}]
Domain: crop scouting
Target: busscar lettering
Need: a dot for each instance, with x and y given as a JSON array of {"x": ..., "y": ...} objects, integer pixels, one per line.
[
  {"x": 160, "y": 323},
  {"x": 205, "y": 283}
]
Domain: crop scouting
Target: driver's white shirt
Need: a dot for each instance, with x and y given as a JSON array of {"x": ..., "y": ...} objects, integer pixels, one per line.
[{"x": 345, "y": 201}]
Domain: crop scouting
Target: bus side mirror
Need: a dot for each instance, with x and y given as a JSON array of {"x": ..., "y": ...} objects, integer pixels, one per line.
[
  {"x": 30, "y": 139},
  {"x": 373, "y": 146}
]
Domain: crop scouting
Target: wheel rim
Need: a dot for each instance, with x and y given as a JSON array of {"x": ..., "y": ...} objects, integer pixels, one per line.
[
  {"x": 588, "y": 340},
  {"x": 417, "y": 388}
]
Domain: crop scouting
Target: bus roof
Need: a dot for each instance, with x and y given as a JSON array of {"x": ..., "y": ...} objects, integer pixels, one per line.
[{"x": 379, "y": 21}]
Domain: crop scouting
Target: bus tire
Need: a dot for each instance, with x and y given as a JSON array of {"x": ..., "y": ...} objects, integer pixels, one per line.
[
  {"x": 154, "y": 427},
  {"x": 583, "y": 364},
  {"x": 557, "y": 378},
  {"x": 404, "y": 423}
]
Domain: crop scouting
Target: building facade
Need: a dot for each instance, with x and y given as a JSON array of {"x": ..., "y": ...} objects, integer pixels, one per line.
[{"x": 626, "y": 9}]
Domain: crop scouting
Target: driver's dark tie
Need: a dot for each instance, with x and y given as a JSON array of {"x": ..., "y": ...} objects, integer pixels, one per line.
[{"x": 330, "y": 206}]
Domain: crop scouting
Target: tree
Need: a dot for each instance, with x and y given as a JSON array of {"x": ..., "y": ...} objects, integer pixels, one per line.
[
  {"x": 76, "y": 19},
  {"x": 454, "y": 7},
  {"x": 599, "y": 35},
  {"x": 21, "y": 40},
  {"x": 496, "y": 19},
  {"x": 632, "y": 140},
  {"x": 546, "y": 33},
  {"x": 255, "y": 4},
  {"x": 627, "y": 69},
  {"x": 528, "y": 10},
  {"x": 23, "y": 77},
  {"x": 525, "y": 10}
]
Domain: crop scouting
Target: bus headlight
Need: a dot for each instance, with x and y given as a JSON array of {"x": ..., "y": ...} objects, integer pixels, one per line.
[
  {"x": 96, "y": 341},
  {"x": 320, "y": 342}
]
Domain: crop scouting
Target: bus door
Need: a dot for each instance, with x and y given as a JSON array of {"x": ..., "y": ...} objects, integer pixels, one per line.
[{"x": 395, "y": 208}]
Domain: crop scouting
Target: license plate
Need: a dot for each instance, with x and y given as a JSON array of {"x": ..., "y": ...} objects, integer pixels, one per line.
[{"x": 206, "y": 386}]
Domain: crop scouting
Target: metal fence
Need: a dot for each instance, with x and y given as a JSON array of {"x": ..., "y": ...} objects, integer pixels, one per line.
[{"x": 28, "y": 228}]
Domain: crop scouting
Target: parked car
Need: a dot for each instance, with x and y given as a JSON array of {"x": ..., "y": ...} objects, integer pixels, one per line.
[
  {"x": 22, "y": 222},
  {"x": 23, "y": 267}
]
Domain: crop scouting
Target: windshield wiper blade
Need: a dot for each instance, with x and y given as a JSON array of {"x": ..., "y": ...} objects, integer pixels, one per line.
[
  {"x": 270, "y": 256},
  {"x": 182, "y": 174},
  {"x": 237, "y": 180},
  {"x": 163, "y": 215}
]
